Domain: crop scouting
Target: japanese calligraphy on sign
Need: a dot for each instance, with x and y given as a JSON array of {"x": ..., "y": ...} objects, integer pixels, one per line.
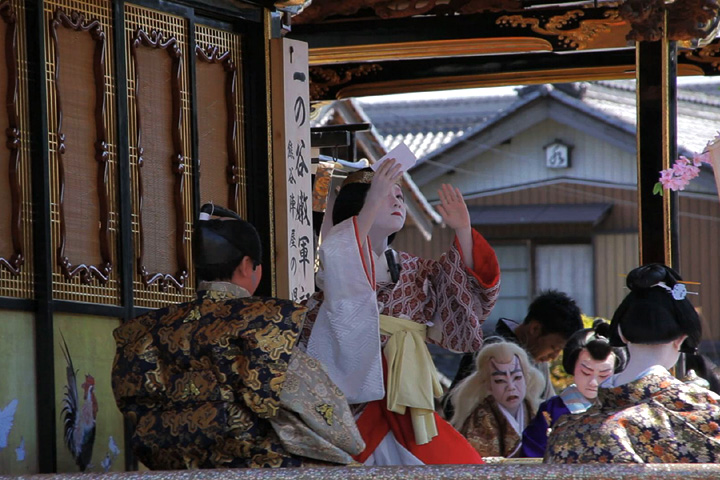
[{"x": 291, "y": 169}]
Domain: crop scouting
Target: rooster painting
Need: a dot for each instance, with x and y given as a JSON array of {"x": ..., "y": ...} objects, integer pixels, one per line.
[{"x": 79, "y": 421}]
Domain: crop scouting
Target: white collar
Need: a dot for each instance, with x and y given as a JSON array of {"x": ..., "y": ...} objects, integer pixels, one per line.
[
  {"x": 517, "y": 421},
  {"x": 382, "y": 270},
  {"x": 654, "y": 370}
]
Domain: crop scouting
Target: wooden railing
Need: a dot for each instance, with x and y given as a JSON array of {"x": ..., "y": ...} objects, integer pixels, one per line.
[{"x": 498, "y": 471}]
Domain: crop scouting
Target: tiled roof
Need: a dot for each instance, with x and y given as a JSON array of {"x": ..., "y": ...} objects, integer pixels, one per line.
[
  {"x": 698, "y": 118},
  {"x": 427, "y": 124}
]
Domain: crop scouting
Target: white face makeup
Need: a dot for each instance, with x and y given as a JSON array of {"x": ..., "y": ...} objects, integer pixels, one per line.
[
  {"x": 590, "y": 373},
  {"x": 391, "y": 217},
  {"x": 507, "y": 384}
]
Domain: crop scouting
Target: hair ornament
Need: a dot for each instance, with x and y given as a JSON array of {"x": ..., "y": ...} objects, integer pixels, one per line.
[
  {"x": 206, "y": 215},
  {"x": 359, "y": 176},
  {"x": 678, "y": 291},
  {"x": 362, "y": 176}
]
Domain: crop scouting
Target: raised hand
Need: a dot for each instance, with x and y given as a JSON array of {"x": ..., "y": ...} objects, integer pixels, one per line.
[
  {"x": 383, "y": 180},
  {"x": 385, "y": 177},
  {"x": 452, "y": 208},
  {"x": 455, "y": 214}
]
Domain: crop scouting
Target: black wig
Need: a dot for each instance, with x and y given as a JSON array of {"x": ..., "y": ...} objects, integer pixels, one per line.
[
  {"x": 220, "y": 245},
  {"x": 597, "y": 343},
  {"x": 350, "y": 201},
  {"x": 650, "y": 314}
]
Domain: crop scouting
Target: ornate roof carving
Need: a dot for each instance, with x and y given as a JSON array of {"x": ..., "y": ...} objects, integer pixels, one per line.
[{"x": 687, "y": 19}]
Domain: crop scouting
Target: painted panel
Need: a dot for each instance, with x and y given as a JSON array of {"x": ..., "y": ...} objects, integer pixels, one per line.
[
  {"x": 87, "y": 342},
  {"x": 18, "y": 450}
]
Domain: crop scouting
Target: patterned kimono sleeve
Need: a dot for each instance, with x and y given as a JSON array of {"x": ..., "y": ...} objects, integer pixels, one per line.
[
  {"x": 482, "y": 430},
  {"x": 258, "y": 367},
  {"x": 535, "y": 435},
  {"x": 464, "y": 297},
  {"x": 136, "y": 388}
]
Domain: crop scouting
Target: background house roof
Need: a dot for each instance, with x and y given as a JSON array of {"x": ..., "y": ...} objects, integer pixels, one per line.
[{"x": 431, "y": 121}]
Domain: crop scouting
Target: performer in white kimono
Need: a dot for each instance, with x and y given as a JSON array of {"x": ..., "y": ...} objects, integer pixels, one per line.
[{"x": 375, "y": 300}]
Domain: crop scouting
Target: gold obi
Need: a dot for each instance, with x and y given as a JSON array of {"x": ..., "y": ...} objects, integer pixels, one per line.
[{"x": 412, "y": 380}]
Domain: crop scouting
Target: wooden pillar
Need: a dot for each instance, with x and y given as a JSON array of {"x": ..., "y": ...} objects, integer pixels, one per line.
[{"x": 656, "y": 72}]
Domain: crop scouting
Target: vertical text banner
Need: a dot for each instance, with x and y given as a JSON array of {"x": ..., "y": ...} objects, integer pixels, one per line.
[{"x": 294, "y": 245}]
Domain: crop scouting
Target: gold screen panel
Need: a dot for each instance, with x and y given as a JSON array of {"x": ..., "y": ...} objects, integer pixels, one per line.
[
  {"x": 161, "y": 223},
  {"x": 82, "y": 143},
  {"x": 16, "y": 277},
  {"x": 218, "y": 60}
]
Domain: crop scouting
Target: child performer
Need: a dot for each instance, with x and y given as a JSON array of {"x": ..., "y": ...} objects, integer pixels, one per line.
[
  {"x": 590, "y": 358},
  {"x": 644, "y": 414},
  {"x": 495, "y": 403}
]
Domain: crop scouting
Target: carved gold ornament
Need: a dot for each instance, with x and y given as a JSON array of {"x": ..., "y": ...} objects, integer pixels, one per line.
[
  {"x": 322, "y": 79},
  {"x": 577, "y": 37}
]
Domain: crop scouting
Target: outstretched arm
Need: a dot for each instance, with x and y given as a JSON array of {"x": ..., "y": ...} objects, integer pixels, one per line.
[{"x": 455, "y": 214}]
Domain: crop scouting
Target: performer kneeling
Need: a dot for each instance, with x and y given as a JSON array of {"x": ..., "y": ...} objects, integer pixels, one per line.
[
  {"x": 590, "y": 358},
  {"x": 644, "y": 414},
  {"x": 217, "y": 381},
  {"x": 495, "y": 403}
]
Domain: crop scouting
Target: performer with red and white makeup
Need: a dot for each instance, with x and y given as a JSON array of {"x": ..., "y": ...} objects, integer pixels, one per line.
[
  {"x": 378, "y": 307},
  {"x": 591, "y": 359}
]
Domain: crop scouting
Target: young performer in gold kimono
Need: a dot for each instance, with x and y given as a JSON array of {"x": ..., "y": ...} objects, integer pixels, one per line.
[
  {"x": 217, "y": 381},
  {"x": 645, "y": 415},
  {"x": 495, "y": 403}
]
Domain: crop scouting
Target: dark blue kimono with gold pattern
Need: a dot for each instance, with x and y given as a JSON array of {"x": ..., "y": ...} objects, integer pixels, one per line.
[
  {"x": 201, "y": 380},
  {"x": 655, "y": 419}
]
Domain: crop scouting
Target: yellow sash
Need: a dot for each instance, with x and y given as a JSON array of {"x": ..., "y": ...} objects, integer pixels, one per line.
[{"x": 412, "y": 379}]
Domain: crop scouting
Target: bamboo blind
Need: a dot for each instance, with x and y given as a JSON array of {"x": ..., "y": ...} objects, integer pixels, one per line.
[
  {"x": 205, "y": 37},
  {"x": 21, "y": 285},
  {"x": 171, "y": 26},
  {"x": 74, "y": 289}
]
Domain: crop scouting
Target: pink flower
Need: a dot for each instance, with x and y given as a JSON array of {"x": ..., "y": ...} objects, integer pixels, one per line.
[
  {"x": 701, "y": 158},
  {"x": 683, "y": 170},
  {"x": 675, "y": 184}
]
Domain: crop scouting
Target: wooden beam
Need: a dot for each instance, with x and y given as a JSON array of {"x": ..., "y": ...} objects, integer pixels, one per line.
[{"x": 656, "y": 150}]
